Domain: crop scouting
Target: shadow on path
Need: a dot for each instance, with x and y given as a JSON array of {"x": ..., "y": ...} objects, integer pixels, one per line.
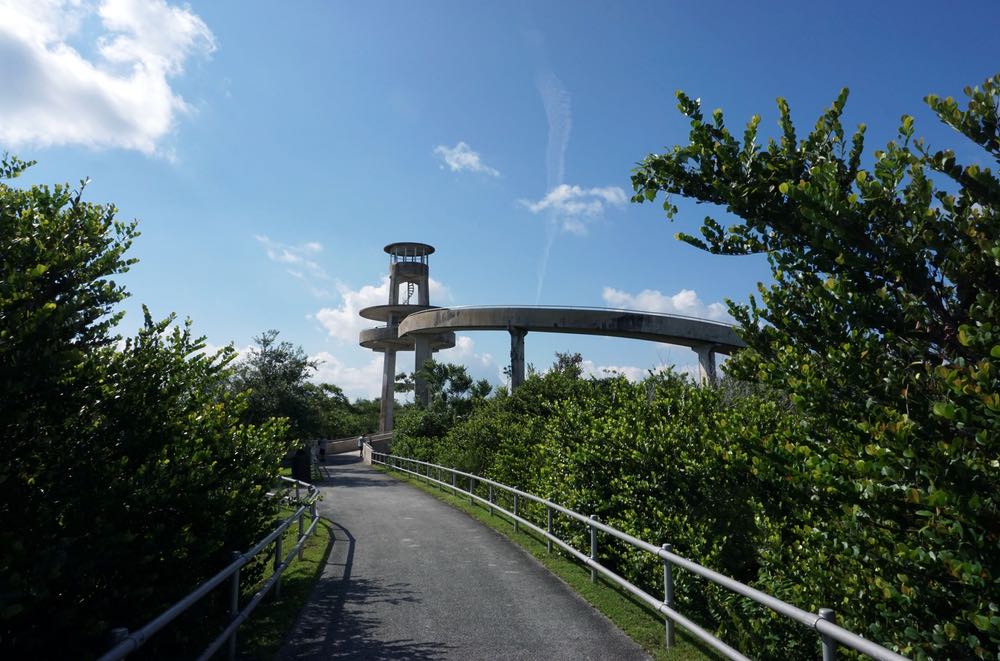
[{"x": 340, "y": 623}]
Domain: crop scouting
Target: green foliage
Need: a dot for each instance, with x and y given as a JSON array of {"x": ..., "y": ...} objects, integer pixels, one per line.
[
  {"x": 883, "y": 326},
  {"x": 274, "y": 376},
  {"x": 127, "y": 476},
  {"x": 338, "y": 416},
  {"x": 453, "y": 395},
  {"x": 663, "y": 460}
]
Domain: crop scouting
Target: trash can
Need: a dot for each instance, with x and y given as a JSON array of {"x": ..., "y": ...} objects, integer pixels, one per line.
[{"x": 301, "y": 468}]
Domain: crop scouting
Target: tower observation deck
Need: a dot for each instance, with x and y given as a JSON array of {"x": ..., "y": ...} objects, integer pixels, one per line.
[{"x": 409, "y": 268}]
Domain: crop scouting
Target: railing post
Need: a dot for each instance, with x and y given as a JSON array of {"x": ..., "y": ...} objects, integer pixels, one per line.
[
  {"x": 491, "y": 499},
  {"x": 593, "y": 548},
  {"x": 277, "y": 565},
  {"x": 516, "y": 525},
  {"x": 829, "y": 644},
  {"x": 296, "y": 492},
  {"x": 454, "y": 488},
  {"x": 312, "y": 510},
  {"x": 302, "y": 531},
  {"x": 548, "y": 526},
  {"x": 668, "y": 596},
  {"x": 472, "y": 501},
  {"x": 234, "y": 604}
]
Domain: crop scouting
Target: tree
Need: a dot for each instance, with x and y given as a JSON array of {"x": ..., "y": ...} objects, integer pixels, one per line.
[
  {"x": 568, "y": 364},
  {"x": 883, "y": 326},
  {"x": 275, "y": 376},
  {"x": 339, "y": 417},
  {"x": 56, "y": 301},
  {"x": 453, "y": 396},
  {"x": 127, "y": 477}
]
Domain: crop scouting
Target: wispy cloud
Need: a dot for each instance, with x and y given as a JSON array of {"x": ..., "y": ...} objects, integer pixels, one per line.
[
  {"x": 461, "y": 158},
  {"x": 685, "y": 302},
  {"x": 121, "y": 98},
  {"x": 299, "y": 262},
  {"x": 575, "y": 207},
  {"x": 559, "y": 113}
]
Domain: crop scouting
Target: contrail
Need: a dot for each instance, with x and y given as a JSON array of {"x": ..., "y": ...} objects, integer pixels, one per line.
[
  {"x": 551, "y": 229},
  {"x": 558, "y": 111}
]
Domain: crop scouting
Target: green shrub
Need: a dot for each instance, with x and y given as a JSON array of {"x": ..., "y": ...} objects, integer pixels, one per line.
[
  {"x": 882, "y": 326},
  {"x": 127, "y": 478}
]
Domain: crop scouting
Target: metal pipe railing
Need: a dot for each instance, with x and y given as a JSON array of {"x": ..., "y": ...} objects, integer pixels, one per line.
[
  {"x": 822, "y": 622},
  {"x": 126, "y": 643}
]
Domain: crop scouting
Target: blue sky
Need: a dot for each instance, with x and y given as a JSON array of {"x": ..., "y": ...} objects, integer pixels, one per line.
[{"x": 270, "y": 150}]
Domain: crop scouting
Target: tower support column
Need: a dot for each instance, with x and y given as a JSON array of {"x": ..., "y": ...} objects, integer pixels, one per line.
[
  {"x": 517, "y": 356},
  {"x": 422, "y": 353},
  {"x": 706, "y": 364},
  {"x": 388, "y": 391}
]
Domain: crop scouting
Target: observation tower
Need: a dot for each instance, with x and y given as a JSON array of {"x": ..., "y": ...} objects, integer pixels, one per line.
[{"x": 408, "y": 265}]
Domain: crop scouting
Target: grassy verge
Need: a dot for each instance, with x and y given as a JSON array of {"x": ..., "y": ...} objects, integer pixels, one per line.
[
  {"x": 640, "y": 623},
  {"x": 262, "y": 634}
]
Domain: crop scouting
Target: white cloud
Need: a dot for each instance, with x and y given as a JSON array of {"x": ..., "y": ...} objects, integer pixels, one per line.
[
  {"x": 121, "y": 97},
  {"x": 464, "y": 352},
  {"x": 364, "y": 381},
  {"x": 685, "y": 302},
  {"x": 344, "y": 323},
  {"x": 575, "y": 206},
  {"x": 299, "y": 263},
  {"x": 636, "y": 374},
  {"x": 211, "y": 349},
  {"x": 461, "y": 157}
]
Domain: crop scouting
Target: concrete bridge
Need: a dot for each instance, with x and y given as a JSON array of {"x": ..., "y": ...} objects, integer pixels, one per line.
[
  {"x": 410, "y": 577},
  {"x": 413, "y": 324},
  {"x": 707, "y": 338}
]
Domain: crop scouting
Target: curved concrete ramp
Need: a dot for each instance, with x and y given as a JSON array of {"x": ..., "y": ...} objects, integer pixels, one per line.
[
  {"x": 706, "y": 337},
  {"x": 667, "y": 328},
  {"x": 409, "y": 577}
]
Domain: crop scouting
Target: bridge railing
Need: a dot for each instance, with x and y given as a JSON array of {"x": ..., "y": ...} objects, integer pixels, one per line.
[
  {"x": 125, "y": 643},
  {"x": 821, "y": 622}
]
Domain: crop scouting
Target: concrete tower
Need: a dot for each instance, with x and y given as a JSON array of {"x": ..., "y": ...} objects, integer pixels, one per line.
[{"x": 408, "y": 267}]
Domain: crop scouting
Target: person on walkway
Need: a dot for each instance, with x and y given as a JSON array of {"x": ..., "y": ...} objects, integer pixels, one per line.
[{"x": 361, "y": 445}]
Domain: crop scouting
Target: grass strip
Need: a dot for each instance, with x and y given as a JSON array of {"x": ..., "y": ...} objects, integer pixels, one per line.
[
  {"x": 634, "y": 618},
  {"x": 265, "y": 630}
]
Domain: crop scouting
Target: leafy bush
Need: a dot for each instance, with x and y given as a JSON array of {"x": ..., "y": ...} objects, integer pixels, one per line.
[
  {"x": 128, "y": 478},
  {"x": 663, "y": 460},
  {"x": 882, "y": 325}
]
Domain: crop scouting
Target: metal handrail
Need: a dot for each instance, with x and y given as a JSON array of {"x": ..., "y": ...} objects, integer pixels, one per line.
[
  {"x": 126, "y": 643},
  {"x": 822, "y": 622}
]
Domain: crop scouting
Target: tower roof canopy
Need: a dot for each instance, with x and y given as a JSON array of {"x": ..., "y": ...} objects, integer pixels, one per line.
[{"x": 409, "y": 249}]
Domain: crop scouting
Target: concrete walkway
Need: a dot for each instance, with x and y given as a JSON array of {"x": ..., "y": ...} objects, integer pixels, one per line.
[{"x": 411, "y": 578}]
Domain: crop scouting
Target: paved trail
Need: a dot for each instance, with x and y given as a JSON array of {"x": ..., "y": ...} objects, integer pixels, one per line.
[{"x": 411, "y": 578}]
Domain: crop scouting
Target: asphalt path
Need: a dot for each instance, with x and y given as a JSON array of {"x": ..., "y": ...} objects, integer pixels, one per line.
[{"x": 409, "y": 577}]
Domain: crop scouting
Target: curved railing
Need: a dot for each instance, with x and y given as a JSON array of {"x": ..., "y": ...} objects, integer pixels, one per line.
[
  {"x": 822, "y": 622},
  {"x": 126, "y": 642}
]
